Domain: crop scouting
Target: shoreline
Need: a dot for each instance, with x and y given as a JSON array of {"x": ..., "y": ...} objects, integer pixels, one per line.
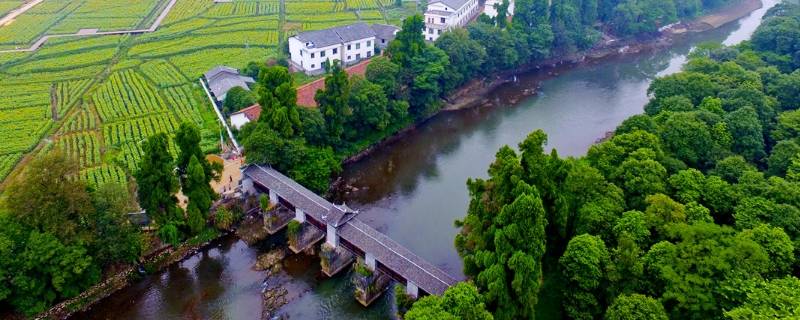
[{"x": 475, "y": 92}]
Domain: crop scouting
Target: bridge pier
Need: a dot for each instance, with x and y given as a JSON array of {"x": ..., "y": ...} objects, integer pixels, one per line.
[
  {"x": 369, "y": 283},
  {"x": 333, "y": 258},
  {"x": 277, "y": 219},
  {"x": 412, "y": 290},
  {"x": 305, "y": 238}
]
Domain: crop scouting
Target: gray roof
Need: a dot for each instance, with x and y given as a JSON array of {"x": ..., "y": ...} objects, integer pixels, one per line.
[
  {"x": 389, "y": 253},
  {"x": 455, "y": 4},
  {"x": 221, "y": 79},
  {"x": 384, "y": 31},
  {"x": 336, "y": 35},
  {"x": 396, "y": 257}
]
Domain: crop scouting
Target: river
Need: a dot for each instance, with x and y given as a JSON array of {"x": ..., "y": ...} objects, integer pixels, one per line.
[{"x": 414, "y": 189}]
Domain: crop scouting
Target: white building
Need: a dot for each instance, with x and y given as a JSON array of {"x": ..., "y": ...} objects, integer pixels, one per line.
[
  {"x": 347, "y": 44},
  {"x": 489, "y": 10},
  {"x": 443, "y": 15},
  {"x": 244, "y": 116}
]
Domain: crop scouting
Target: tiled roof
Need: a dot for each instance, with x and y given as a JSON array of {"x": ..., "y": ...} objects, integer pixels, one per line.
[
  {"x": 222, "y": 79},
  {"x": 336, "y": 35},
  {"x": 455, "y": 4},
  {"x": 218, "y": 69},
  {"x": 305, "y": 93},
  {"x": 252, "y": 112},
  {"x": 384, "y": 31}
]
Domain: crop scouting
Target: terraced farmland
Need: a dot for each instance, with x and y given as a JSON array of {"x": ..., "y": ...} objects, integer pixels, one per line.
[{"x": 98, "y": 97}]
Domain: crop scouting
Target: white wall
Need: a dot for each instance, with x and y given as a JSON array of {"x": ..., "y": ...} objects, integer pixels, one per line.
[
  {"x": 312, "y": 59},
  {"x": 458, "y": 17},
  {"x": 238, "y": 120}
]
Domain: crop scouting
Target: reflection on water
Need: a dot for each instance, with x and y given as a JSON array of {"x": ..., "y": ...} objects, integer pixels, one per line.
[{"x": 414, "y": 189}]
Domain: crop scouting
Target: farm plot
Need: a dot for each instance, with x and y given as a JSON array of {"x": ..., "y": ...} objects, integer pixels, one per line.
[
  {"x": 67, "y": 93},
  {"x": 7, "y": 162},
  {"x": 83, "y": 120},
  {"x": 35, "y": 22},
  {"x": 103, "y": 174},
  {"x": 7, "y": 6},
  {"x": 138, "y": 129},
  {"x": 194, "y": 64},
  {"x": 249, "y": 8},
  {"x": 19, "y": 95},
  {"x": 21, "y": 136},
  {"x": 83, "y": 147},
  {"x": 192, "y": 42},
  {"x": 163, "y": 73},
  {"x": 126, "y": 94},
  {"x": 183, "y": 104},
  {"x": 106, "y": 16}
]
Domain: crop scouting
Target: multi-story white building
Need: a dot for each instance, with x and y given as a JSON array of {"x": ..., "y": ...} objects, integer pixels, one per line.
[
  {"x": 443, "y": 15},
  {"x": 347, "y": 44}
]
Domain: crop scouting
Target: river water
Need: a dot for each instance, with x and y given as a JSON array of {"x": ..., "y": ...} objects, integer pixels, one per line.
[{"x": 414, "y": 190}]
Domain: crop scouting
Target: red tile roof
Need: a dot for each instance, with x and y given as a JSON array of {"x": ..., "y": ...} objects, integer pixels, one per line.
[
  {"x": 306, "y": 92},
  {"x": 252, "y": 112}
]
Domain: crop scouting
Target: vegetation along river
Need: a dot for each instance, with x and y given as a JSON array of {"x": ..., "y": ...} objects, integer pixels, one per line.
[{"x": 415, "y": 188}]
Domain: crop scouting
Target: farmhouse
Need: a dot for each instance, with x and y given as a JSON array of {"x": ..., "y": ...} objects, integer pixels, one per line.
[
  {"x": 443, "y": 15},
  {"x": 222, "y": 79},
  {"x": 347, "y": 44},
  {"x": 244, "y": 116}
]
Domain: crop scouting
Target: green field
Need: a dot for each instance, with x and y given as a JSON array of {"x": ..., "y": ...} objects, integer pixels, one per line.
[{"x": 98, "y": 97}]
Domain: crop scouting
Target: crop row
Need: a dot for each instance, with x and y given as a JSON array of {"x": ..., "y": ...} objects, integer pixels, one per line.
[
  {"x": 182, "y": 103},
  {"x": 195, "y": 63},
  {"x": 68, "y": 93},
  {"x": 138, "y": 129},
  {"x": 371, "y": 15},
  {"x": 82, "y": 120},
  {"x": 36, "y": 113},
  {"x": 126, "y": 94},
  {"x": 27, "y": 27},
  {"x": 98, "y": 176},
  {"x": 362, "y": 4},
  {"x": 243, "y": 9},
  {"x": 7, "y": 162},
  {"x": 21, "y": 136},
  {"x": 131, "y": 154},
  {"x": 24, "y": 95},
  {"x": 83, "y": 147},
  {"x": 293, "y": 8},
  {"x": 67, "y": 61},
  {"x": 187, "y": 9},
  {"x": 163, "y": 73}
]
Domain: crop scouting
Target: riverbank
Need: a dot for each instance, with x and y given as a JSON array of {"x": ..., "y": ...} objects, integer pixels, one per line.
[{"x": 475, "y": 93}]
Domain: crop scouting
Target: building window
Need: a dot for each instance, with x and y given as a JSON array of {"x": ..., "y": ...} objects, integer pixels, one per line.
[
  {"x": 358, "y": 45},
  {"x": 358, "y": 56},
  {"x": 438, "y": 31},
  {"x": 383, "y": 40},
  {"x": 369, "y": 53},
  {"x": 442, "y": 19},
  {"x": 349, "y": 58},
  {"x": 335, "y": 50},
  {"x": 312, "y": 66},
  {"x": 430, "y": 31},
  {"x": 348, "y": 47},
  {"x": 321, "y": 54},
  {"x": 369, "y": 43},
  {"x": 312, "y": 55}
]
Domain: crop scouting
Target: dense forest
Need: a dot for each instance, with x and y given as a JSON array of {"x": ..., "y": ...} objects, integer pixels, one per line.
[
  {"x": 410, "y": 82},
  {"x": 690, "y": 211}
]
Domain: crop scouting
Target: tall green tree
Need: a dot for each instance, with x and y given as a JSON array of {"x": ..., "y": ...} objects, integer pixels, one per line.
[
  {"x": 334, "y": 103},
  {"x": 636, "y": 307},
  {"x": 583, "y": 265},
  {"x": 461, "y": 301},
  {"x": 157, "y": 181}
]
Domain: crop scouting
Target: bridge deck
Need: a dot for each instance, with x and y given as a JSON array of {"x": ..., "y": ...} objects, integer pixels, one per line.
[{"x": 387, "y": 252}]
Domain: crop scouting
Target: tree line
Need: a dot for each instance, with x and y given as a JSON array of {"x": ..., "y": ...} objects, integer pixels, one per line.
[{"x": 690, "y": 211}]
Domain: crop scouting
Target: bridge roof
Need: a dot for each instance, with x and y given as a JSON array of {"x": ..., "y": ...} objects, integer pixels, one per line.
[
  {"x": 387, "y": 251},
  {"x": 396, "y": 257}
]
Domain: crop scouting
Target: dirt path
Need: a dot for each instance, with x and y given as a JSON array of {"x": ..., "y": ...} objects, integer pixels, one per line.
[{"x": 9, "y": 18}]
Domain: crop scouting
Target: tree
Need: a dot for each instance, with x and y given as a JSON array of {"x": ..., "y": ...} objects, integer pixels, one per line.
[
  {"x": 636, "y": 307},
  {"x": 116, "y": 239},
  {"x": 466, "y": 56},
  {"x": 746, "y": 130},
  {"x": 197, "y": 189},
  {"x": 334, "y": 103},
  {"x": 641, "y": 176},
  {"x": 157, "y": 181},
  {"x": 49, "y": 196},
  {"x": 408, "y": 42},
  {"x": 687, "y": 138},
  {"x": 427, "y": 72},
  {"x": 461, "y": 301},
  {"x": 583, "y": 265},
  {"x": 781, "y": 157},
  {"x": 236, "y": 99},
  {"x": 788, "y": 126},
  {"x": 278, "y": 99},
  {"x": 187, "y": 139},
  {"x": 370, "y": 109},
  {"x": 384, "y": 72},
  {"x": 775, "y": 299},
  {"x": 776, "y": 244},
  {"x": 687, "y": 185}
]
